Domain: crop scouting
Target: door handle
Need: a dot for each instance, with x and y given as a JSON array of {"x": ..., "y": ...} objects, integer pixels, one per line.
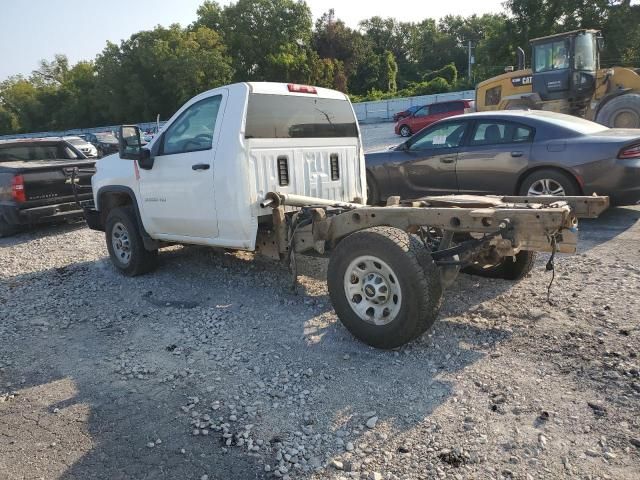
[
  {"x": 516, "y": 154},
  {"x": 448, "y": 159},
  {"x": 200, "y": 166}
]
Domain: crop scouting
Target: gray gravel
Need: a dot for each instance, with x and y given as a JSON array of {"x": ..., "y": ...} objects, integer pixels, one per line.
[{"x": 210, "y": 368}]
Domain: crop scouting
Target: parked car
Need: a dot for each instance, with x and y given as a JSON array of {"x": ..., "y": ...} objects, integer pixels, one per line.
[
  {"x": 429, "y": 114},
  {"x": 88, "y": 150},
  {"x": 510, "y": 152},
  {"x": 405, "y": 113},
  {"x": 34, "y": 183},
  {"x": 106, "y": 143}
]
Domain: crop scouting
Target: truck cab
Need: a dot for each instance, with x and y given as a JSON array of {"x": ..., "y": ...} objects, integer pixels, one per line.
[{"x": 202, "y": 178}]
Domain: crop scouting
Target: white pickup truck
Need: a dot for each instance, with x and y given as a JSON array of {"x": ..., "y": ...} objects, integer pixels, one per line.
[{"x": 279, "y": 168}]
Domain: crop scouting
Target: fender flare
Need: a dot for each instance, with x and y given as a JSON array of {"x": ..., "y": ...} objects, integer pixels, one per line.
[{"x": 149, "y": 243}]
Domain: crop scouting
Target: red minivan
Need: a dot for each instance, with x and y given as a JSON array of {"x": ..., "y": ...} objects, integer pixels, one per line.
[{"x": 432, "y": 113}]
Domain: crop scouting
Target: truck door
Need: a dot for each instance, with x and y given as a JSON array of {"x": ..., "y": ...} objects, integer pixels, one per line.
[{"x": 176, "y": 194}]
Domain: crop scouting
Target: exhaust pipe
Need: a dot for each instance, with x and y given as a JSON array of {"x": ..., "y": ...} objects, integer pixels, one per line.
[{"x": 521, "y": 58}]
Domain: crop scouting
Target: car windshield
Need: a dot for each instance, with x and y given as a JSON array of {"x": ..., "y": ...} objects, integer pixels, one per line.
[
  {"x": 27, "y": 153},
  {"x": 575, "y": 124},
  {"x": 76, "y": 141},
  {"x": 106, "y": 137}
]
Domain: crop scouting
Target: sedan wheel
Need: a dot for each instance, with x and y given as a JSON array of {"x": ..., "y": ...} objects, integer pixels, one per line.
[
  {"x": 549, "y": 182},
  {"x": 546, "y": 186},
  {"x": 405, "y": 131}
]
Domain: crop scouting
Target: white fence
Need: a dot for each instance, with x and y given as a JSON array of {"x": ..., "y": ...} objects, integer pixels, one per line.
[
  {"x": 383, "y": 110},
  {"x": 367, "y": 112}
]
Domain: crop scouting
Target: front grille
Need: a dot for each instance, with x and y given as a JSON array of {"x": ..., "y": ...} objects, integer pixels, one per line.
[{"x": 283, "y": 171}]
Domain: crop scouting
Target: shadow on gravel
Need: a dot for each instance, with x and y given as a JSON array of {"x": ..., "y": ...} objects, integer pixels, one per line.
[
  {"x": 28, "y": 234},
  {"x": 612, "y": 223},
  {"x": 73, "y": 337}
]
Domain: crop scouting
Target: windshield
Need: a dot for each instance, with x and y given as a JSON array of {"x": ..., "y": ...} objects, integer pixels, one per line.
[
  {"x": 551, "y": 56},
  {"x": 288, "y": 116},
  {"x": 106, "y": 137},
  {"x": 26, "y": 153},
  {"x": 585, "y": 52},
  {"x": 76, "y": 141}
]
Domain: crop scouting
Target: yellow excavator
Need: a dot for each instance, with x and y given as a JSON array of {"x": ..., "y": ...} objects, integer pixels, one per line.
[{"x": 566, "y": 77}]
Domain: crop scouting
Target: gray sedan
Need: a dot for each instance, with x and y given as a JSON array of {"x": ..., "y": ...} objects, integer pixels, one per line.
[{"x": 510, "y": 152}]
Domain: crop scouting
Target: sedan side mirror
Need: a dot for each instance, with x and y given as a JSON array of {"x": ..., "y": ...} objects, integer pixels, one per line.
[{"x": 129, "y": 144}]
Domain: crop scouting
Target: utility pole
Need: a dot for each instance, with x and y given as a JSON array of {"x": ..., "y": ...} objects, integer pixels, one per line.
[{"x": 471, "y": 61}]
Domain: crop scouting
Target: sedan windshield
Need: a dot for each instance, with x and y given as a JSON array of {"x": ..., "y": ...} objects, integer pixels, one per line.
[{"x": 106, "y": 137}]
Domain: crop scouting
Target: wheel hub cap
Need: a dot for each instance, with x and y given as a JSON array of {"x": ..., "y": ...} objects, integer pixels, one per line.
[
  {"x": 372, "y": 289},
  {"x": 546, "y": 186},
  {"x": 120, "y": 242}
]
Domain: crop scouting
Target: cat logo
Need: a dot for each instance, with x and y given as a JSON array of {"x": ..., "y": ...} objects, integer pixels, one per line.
[{"x": 521, "y": 81}]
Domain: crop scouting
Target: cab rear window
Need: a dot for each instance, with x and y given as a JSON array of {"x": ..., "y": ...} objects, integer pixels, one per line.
[
  {"x": 290, "y": 116},
  {"x": 26, "y": 153}
]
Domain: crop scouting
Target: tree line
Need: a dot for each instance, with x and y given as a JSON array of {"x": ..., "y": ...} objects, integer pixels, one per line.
[{"x": 155, "y": 71}]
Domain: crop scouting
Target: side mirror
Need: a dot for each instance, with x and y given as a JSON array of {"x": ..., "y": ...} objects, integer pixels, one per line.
[
  {"x": 600, "y": 43},
  {"x": 129, "y": 144}
]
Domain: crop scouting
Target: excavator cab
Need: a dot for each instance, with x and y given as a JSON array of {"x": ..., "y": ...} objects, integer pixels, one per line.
[{"x": 565, "y": 66}]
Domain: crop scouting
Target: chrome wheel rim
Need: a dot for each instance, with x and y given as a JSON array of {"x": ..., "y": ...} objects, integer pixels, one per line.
[
  {"x": 405, "y": 132},
  {"x": 121, "y": 243},
  {"x": 372, "y": 290},
  {"x": 546, "y": 186}
]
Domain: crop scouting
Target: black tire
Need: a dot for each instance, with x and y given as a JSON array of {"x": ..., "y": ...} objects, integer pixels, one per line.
[
  {"x": 405, "y": 131},
  {"x": 508, "y": 269},
  {"x": 140, "y": 259},
  {"x": 6, "y": 229},
  {"x": 373, "y": 192},
  {"x": 621, "y": 112},
  {"x": 418, "y": 283},
  {"x": 565, "y": 181}
]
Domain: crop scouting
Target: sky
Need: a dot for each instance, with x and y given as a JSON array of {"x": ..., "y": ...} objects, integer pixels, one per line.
[{"x": 31, "y": 30}]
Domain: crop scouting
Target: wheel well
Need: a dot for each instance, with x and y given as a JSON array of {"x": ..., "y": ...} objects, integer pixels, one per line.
[
  {"x": 537, "y": 169},
  {"x": 110, "y": 200}
]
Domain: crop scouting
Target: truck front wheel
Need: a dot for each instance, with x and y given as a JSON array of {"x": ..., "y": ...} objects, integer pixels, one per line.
[
  {"x": 384, "y": 286},
  {"x": 125, "y": 244}
]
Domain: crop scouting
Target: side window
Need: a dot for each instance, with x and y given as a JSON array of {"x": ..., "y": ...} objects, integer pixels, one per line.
[
  {"x": 493, "y": 95},
  {"x": 495, "y": 133},
  {"x": 455, "y": 107},
  {"x": 193, "y": 129},
  {"x": 422, "y": 112},
  {"x": 448, "y": 135},
  {"x": 438, "y": 108}
]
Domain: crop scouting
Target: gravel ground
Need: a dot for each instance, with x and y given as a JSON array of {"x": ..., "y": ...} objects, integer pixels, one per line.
[{"x": 209, "y": 368}]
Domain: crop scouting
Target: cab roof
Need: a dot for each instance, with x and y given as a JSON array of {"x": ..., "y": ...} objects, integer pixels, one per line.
[{"x": 563, "y": 34}]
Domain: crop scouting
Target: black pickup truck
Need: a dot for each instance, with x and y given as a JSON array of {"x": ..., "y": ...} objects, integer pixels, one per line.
[{"x": 35, "y": 182}]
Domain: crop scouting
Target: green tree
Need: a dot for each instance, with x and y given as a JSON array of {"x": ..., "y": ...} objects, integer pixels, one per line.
[
  {"x": 156, "y": 71},
  {"x": 263, "y": 35}
]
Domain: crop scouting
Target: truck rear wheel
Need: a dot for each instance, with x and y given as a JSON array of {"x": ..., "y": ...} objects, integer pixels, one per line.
[
  {"x": 384, "y": 286},
  {"x": 509, "y": 268},
  {"x": 125, "y": 244},
  {"x": 621, "y": 112}
]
